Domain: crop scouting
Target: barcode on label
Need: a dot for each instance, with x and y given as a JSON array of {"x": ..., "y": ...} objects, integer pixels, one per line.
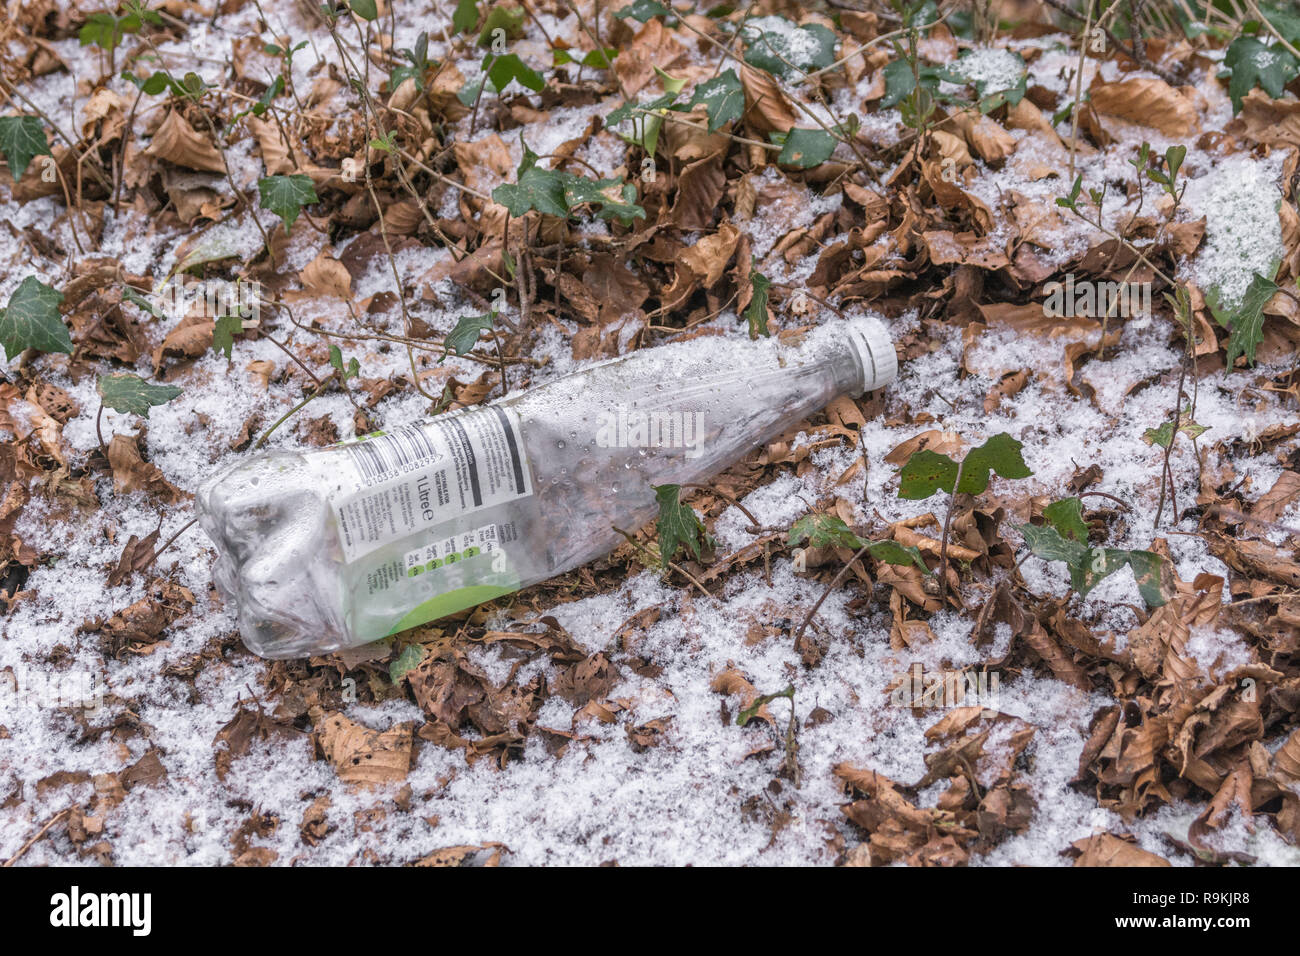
[{"x": 383, "y": 455}]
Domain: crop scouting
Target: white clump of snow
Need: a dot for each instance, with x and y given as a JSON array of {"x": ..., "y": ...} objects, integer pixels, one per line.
[
  {"x": 994, "y": 68},
  {"x": 1243, "y": 233}
]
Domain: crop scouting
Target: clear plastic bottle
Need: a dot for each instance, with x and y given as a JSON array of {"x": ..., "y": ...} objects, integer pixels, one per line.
[{"x": 336, "y": 547}]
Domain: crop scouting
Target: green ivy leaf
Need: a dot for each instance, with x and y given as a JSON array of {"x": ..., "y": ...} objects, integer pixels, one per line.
[
  {"x": 502, "y": 69},
  {"x": 927, "y": 471},
  {"x": 643, "y": 11},
  {"x": 224, "y": 331},
  {"x": 823, "y": 531},
  {"x": 535, "y": 188},
  {"x": 502, "y": 17},
  {"x": 806, "y": 148},
  {"x": 410, "y": 658},
  {"x": 132, "y": 395},
  {"x": 612, "y": 197},
  {"x": 22, "y": 139},
  {"x": 756, "y": 312},
  {"x": 32, "y": 320},
  {"x": 466, "y": 16},
  {"x": 1254, "y": 64},
  {"x": 1047, "y": 543},
  {"x": 1164, "y": 435},
  {"x": 1247, "y": 320},
  {"x": 140, "y": 302},
  {"x": 365, "y": 9},
  {"x": 555, "y": 193},
  {"x": 891, "y": 552},
  {"x": 781, "y": 54},
  {"x": 678, "y": 525},
  {"x": 465, "y": 335},
  {"x": 286, "y": 195},
  {"x": 723, "y": 98},
  {"x": 1066, "y": 516},
  {"x": 596, "y": 59}
]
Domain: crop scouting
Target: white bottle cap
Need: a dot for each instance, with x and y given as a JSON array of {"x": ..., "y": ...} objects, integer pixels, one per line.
[{"x": 875, "y": 350}]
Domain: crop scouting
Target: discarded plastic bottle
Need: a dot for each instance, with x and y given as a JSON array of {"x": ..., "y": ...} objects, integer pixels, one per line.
[{"x": 331, "y": 548}]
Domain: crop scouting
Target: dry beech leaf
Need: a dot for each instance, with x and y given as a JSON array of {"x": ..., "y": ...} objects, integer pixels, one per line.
[
  {"x": 132, "y": 473},
  {"x": 1147, "y": 101},
  {"x": 1106, "y": 849},
  {"x": 178, "y": 142},
  {"x": 325, "y": 275},
  {"x": 363, "y": 756}
]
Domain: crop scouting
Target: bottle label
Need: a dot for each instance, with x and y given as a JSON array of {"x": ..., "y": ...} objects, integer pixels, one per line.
[{"x": 418, "y": 476}]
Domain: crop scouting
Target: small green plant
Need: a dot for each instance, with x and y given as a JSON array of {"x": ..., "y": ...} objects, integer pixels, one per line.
[
  {"x": 929, "y": 471},
  {"x": 678, "y": 525},
  {"x": 417, "y": 64},
  {"x": 1245, "y": 322},
  {"x": 828, "y": 531},
  {"x": 556, "y": 193},
  {"x": 1065, "y": 538},
  {"x": 345, "y": 370},
  {"x": 107, "y": 30},
  {"x": 756, "y": 312}
]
